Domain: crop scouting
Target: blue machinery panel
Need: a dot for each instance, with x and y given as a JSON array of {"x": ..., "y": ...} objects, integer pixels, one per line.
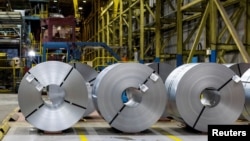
[{"x": 68, "y": 45}]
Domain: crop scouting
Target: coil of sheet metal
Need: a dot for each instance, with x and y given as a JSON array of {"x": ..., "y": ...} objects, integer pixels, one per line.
[
  {"x": 52, "y": 96},
  {"x": 129, "y": 96},
  {"x": 89, "y": 74},
  {"x": 204, "y": 93},
  {"x": 163, "y": 69},
  {"x": 240, "y": 69},
  {"x": 245, "y": 78}
]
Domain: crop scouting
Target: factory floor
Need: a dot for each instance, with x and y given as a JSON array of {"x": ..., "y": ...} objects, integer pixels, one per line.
[{"x": 93, "y": 128}]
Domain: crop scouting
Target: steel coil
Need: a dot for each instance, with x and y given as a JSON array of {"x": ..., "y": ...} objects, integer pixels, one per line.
[
  {"x": 239, "y": 68},
  {"x": 246, "y": 83},
  {"x": 201, "y": 94},
  {"x": 52, "y": 96},
  {"x": 144, "y": 90},
  {"x": 89, "y": 74},
  {"x": 163, "y": 69}
]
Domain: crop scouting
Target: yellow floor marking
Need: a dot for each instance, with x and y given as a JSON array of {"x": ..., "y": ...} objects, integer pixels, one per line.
[
  {"x": 83, "y": 137},
  {"x": 173, "y": 137},
  {"x": 169, "y": 135}
]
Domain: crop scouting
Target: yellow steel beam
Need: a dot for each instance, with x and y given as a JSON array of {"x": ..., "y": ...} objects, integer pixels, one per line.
[
  {"x": 199, "y": 31},
  {"x": 179, "y": 28},
  {"x": 141, "y": 29},
  {"x": 75, "y": 3},
  {"x": 227, "y": 47},
  {"x": 130, "y": 32},
  {"x": 236, "y": 22},
  {"x": 107, "y": 8},
  {"x": 232, "y": 31},
  {"x": 158, "y": 29},
  {"x": 230, "y": 2},
  {"x": 150, "y": 11},
  {"x": 190, "y": 34},
  {"x": 190, "y": 4},
  {"x": 224, "y": 29},
  {"x": 221, "y": 58},
  {"x": 115, "y": 9},
  {"x": 213, "y": 25},
  {"x": 109, "y": 22},
  {"x": 103, "y": 33},
  {"x": 121, "y": 24},
  {"x": 125, "y": 22},
  {"x": 107, "y": 28}
]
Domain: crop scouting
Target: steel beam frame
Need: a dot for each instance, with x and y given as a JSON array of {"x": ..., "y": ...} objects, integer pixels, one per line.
[{"x": 133, "y": 14}]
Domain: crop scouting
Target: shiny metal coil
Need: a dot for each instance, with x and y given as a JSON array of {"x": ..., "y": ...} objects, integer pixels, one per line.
[
  {"x": 144, "y": 90},
  {"x": 245, "y": 78},
  {"x": 240, "y": 69},
  {"x": 52, "y": 96},
  {"x": 89, "y": 74},
  {"x": 163, "y": 69},
  {"x": 201, "y": 94}
]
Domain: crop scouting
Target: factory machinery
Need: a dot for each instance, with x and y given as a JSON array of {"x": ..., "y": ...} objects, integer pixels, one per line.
[
  {"x": 175, "y": 32},
  {"x": 29, "y": 35}
]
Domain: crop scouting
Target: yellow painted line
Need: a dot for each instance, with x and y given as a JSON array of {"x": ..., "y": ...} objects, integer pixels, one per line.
[
  {"x": 83, "y": 138},
  {"x": 5, "y": 127},
  {"x": 1, "y": 135},
  {"x": 81, "y": 135},
  {"x": 169, "y": 135},
  {"x": 173, "y": 137}
]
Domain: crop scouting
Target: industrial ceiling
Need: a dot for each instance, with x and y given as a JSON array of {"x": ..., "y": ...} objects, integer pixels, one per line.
[{"x": 64, "y": 7}]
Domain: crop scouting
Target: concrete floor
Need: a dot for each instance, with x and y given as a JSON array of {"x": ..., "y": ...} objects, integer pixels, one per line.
[{"x": 93, "y": 128}]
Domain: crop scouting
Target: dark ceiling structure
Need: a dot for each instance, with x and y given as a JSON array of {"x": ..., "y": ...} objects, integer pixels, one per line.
[{"x": 64, "y": 7}]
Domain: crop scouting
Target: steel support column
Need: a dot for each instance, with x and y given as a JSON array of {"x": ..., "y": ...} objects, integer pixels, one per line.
[
  {"x": 121, "y": 24},
  {"x": 130, "y": 48},
  {"x": 199, "y": 31},
  {"x": 232, "y": 31},
  {"x": 107, "y": 28},
  {"x": 179, "y": 56},
  {"x": 141, "y": 59},
  {"x": 157, "y": 31},
  {"x": 213, "y": 30}
]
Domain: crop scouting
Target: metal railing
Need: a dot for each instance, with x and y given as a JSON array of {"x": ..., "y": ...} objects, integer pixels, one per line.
[
  {"x": 100, "y": 63},
  {"x": 11, "y": 73}
]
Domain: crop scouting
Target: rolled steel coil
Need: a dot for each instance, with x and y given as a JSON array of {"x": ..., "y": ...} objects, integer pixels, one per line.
[
  {"x": 52, "y": 96},
  {"x": 89, "y": 74},
  {"x": 245, "y": 78},
  {"x": 239, "y": 68},
  {"x": 144, "y": 90},
  {"x": 201, "y": 94},
  {"x": 163, "y": 69}
]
